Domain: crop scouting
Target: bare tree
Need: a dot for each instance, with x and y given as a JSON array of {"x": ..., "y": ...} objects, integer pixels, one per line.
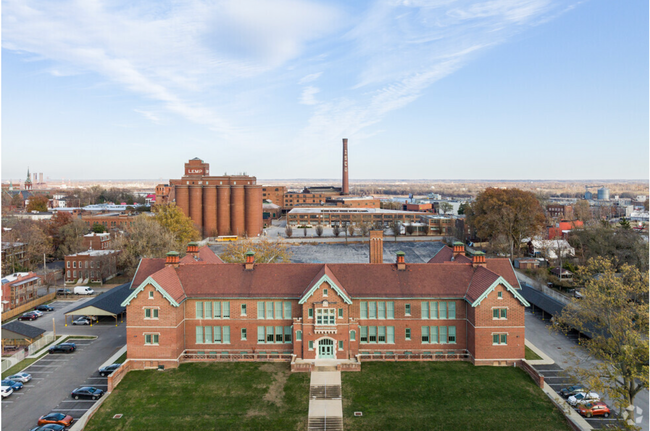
[
  {"x": 336, "y": 230},
  {"x": 364, "y": 228},
  {"x": 351, "y": 229},
  {"x": 319, "y": 230},
  {"x": 288, "y": 231},
  {"x": 304, "y": 231},
  {"x": 410, "y": 229},
  {"x": 395, "y": 228}
]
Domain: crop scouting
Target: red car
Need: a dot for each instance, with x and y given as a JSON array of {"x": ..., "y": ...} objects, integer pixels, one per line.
[
  {"x": 56, "y": 418},
  {"x": 594, "y": 409}
]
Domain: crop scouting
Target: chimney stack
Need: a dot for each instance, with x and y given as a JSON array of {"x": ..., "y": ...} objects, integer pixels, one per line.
[
  {"x": 250, "y": 260},
  {"x": 376, "y": 246},
  {"x": 193, "y": 250},
  {"x": 345, "y": 187},
  {"x": 479, "y": 259},
  {"x": 459, "y": 249},
  {"x": 401, "y": 265},
  {"x": 172, "y": 259}
]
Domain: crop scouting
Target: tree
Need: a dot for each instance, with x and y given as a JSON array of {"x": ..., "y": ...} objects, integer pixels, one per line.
[
  {"x": 445, "y": 207},
  {"x": 619, "y": 245},
  {"x": 71, "y": 238},
  {"x": 145, "y": 238},
  {"x": 425, "y": 228},
  {"x": 31, "y": 233},
  {"x": 582, "y": 211},
  {"x": 364, "y": 228},
  {"x": 351, "y": 229},
  {"x": 512, "y": 213},
  {"x": 304, "y": 231},
  {"x": 319, "y": 230},
  {"x": 265, "y": 251},
  {"x": 170, "y": 217},
  {"x": 288, "y": 231},
  {"x": 98, "y": 228},
  {"x": 336, "y": 230},
  {"x": 37, "y": 203},
  {"x": 395, "y": 228},
  {"x": 58, "y": 220},
  {"x": 614, "y": 312},
  {"x": 462, "y": 208},
  {"x": 625, "y": 223}
]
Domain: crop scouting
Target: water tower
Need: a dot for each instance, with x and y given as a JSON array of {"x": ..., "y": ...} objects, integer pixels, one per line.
[{"x": 603, "y": 194}]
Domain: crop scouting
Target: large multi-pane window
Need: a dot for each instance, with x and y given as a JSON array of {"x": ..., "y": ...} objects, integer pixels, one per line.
[
  {"x": 150, "y": 338},
  {"x": 499, "y": 338},
  {"x": 499, "y": 313},
  {"x": 213, "y": 335},
  {"x": 376, "y": 334},
  {"x": 274, "y": 310},
  {"x": 326, "y": 316},
  {"x": 377, "y": 310},
  {"x": 438, "y": 309},
  {"x": 213, "y": 309},
  {"x": 274, "y": 334},
  {"x": 150, "y": 313},
  {"x": 439, "y": 334}
]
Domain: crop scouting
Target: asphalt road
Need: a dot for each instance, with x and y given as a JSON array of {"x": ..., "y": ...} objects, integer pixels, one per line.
[
  {"x": 55, "y": 376},
  {"x": 565, "y": 351}
]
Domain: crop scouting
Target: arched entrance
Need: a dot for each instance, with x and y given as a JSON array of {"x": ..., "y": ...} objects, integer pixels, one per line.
[{"x": 326, "y": 348}]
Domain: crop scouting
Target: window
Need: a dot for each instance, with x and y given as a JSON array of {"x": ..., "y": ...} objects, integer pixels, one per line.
[
  {"x": 260, "y": 310},
  {"x": 243, "y": 334},
  {"x": 74, "y": 264},
  {"x": 225, "y": 309},
  {"x": 407, "y": 309},
  {"x": 325, "y": 316},
  {"x": 443, "y": 310},
  {"x": 499, "y": 313},
  {"x": 390, "y": 310},
  {"x": 269, "y": 310},
  {"x": 451, "y": 310},
  {"x": 324, "y": 292},
  {"x": 407, "y": 335},
  {"x": 372, "y": 310},
  {"x": 274, "y": 334},
  {"x": 364, "y": 310},
  {"x": 151, "y": 339},
  {"x": 381, "y": 310},
  {"x": 287, "y": 310},
  {"x": 340, "y": 344},
  {"x": 310, "y": 313},
  {"x": 68, "y": 273},
  {"x": 199, "y": 310},
  {"x": 375, "y": 334},
  {"x": 439, "y": 310},
  {"x": 278, "y": 334},
  {"x": 381, "y": 334},
  {"x": 150, "y": 313},
  {"x": 68, "y": 263},
  {"x": 243, "y": 309},
  {"x": 390, "y": 334},
  {"x": 151, "y": 295},
  {"x": 287, "y": 334},
  {"x": 451, "y": 333},
  {"x": 500, "y": 295},
  {"x": 499, "y": 339},
  {"x": 363, "y": 331},
  {"x": 269, "y": 334},
  {"x": 353, "y": 336},
  {"x": 425, "y": 334},
  {"x": 260, "y": 335},
  {"x": 207, "y": 309},
  {"x": 74, "y": 273},
  {"x": 425, "y": 310},
  {"x": 298, "y": 335},
  {"x": 340, "y": 313},
  {"x": 311, "y": 345},
  {"x": 278, "y": 310}
]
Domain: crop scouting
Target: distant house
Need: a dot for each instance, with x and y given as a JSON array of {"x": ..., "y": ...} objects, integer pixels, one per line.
[
  {"x": 562, "y": 274},
  {"x": 561, "y": 229},
  {"x": 97, "y": 241},
  {"x": 14, "y": 254},
  {"x": 92, "y": 265},
  {"x": 550, "y": 249},
  {"x": 19, "y": 288},
  {"x": 20, "y": 334}
]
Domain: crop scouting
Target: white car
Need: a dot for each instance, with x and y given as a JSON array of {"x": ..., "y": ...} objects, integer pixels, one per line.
[
  {"x": 81, "y": 321},
  {"x": 6, "y": 391},
  {"x": 583, "y": 397},
  {"x": 38, "y": 313},
  {"x": 20, "y": 377}
]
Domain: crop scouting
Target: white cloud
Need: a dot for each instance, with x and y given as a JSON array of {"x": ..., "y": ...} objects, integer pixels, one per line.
[
  {"x": 149, "y": 116},
  {"x": 307, "y": 97},
  {"x": 310, "y": 78}
]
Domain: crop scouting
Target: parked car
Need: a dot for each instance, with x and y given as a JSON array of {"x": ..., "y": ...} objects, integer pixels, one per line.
[
  {"x": 594, "y": 409},
  {"x": 56, "y": 418},
  {"x": 583, "y": 397},
  {"x": 87, "y": 392},
  {"x": 106, "y": 371},
  {"x": 30, "y": 315},
  {"x": 63, "y": 292},
  {"x": 572, "y": 390},
  {"x": 83, "y": 290},
  {"x": 16, "y": 386},
  {"x": 81, "y": 321},
  {"x": 37, "y": 312},
  {"x": 20, "y": 377},
  {"x": 44, "y": 307},
  {"x": 49, "y": 427},
  {"x": 6, "y": 391},
  {"x": 63, "y": 348}
]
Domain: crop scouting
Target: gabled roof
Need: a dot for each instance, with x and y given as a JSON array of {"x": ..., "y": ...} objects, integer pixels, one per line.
[
  {"x": 172, "y": 290},
  {"x": 206, "y": 255},
  {"x": 484, "y": 282},
  {"x": 22, "y": 329},
  {"x": 110, "y": 301},
  {"x": 446, "y": 254},
  {"x": 325, "y": 275},
  {"x": 503, "y": 267},
  {"x": 146, "y": 267}
]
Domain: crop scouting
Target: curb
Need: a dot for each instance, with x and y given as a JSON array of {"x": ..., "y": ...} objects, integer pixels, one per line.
[
  {"x": 83, "y": 420},
  {"x": 113, "y": 358},
  {"x": 546, "y": 360}
]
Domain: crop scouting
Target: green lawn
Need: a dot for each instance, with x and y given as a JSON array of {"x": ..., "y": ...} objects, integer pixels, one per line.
[
  {"x": 445, "y": 396},
  {"x": 216, "y": 396},
  {"x": 531, "y": 356}
]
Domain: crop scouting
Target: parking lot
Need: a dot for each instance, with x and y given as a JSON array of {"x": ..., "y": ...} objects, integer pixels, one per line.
[{"x": 56, "y": 375}]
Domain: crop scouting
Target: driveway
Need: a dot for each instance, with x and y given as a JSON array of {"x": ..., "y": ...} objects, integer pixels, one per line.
[
  {"x": 565, "y": 350},
  {"x": 55, "y": 376}
]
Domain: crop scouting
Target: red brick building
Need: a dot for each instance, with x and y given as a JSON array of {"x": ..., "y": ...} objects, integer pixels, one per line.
[
  {"x": 19, "y": 288},
  {"x": 92, "y": 265},
  {"x": 97, "y": 241},
  {"x": 218, "y": 205},
  {"x": 199, "y": 308}
]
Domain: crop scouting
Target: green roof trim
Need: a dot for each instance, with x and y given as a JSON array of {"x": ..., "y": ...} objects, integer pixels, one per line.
[
  {"x": 157, "y": 286},
  {"x": 173, "y": 253},
  {"x": 459, "y": 243},
  {"x": 479, "y": 253},
  {"x": 332, "y": 284},
  {"x": 511, "y": 289},
  {"x": 400, "y": 253},
  {"x": 193, "y": 243},
  {"x": 249, "y": 253}
]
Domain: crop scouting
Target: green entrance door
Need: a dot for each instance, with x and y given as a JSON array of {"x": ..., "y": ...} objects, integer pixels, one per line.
[{"x": 326, "y": 349}]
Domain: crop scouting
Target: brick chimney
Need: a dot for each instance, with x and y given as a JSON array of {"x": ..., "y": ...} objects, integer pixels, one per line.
[
  {"x": 193, "y": 249},
  {"x": 459, "y": 249},
  {"x": 250, "y": 260},
  {"x": 172, "y": 259},
  {"x": 479, "y": 259},
  {"x": 345, "y": 186},
  {"x": 376, "y": 246},
  {"x": 401, "y": 265}
]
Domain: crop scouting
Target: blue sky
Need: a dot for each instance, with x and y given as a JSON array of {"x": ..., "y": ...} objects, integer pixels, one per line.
[{"x": 441, "y": 89}]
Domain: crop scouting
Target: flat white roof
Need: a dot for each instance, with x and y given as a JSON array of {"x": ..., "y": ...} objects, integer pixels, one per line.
[
  {"x": 93, "y": 253},
  {"x": 301, "y": 210}
]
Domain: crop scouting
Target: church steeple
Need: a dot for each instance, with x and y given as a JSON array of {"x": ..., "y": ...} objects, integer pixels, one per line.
[{"x": 28, "y": 181}]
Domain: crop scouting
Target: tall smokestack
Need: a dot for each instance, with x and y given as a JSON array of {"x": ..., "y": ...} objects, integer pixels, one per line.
[{"x": 345, "y": 189}]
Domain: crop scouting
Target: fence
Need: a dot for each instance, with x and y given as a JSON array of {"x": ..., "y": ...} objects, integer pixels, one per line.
[
  {"x": 549, "y": 292},
  {"x": 117, "y": 376},
  {"x": 37, "y": 345},
  {"x": 230, "y": 356},
  {"x": 19, "y": 356},
  {"x": 27, "y": 306},
  {"x": 453, "y": 355}
]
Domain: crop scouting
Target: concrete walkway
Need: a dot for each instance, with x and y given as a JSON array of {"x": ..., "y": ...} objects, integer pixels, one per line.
[{"x": 325, "y": 404}]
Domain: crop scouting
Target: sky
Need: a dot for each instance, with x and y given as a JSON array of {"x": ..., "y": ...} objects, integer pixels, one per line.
[{"x": 440, "y": 89}]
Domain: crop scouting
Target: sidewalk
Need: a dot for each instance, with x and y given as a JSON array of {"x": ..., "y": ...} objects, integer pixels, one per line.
[{"x": 325, "y": 404}]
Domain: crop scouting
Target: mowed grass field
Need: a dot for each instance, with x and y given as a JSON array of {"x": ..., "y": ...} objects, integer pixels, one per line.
[
  {"x": 454, "y": 396},
  {"x": 216, "y": 396}
]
